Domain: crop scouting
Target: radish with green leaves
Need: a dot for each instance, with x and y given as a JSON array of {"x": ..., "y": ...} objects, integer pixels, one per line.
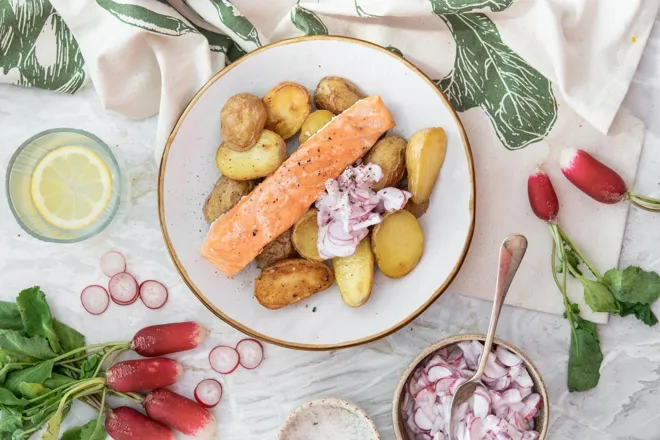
[
  {"x": 616, "y": 291},
  {"x": 600, "y": 182},
  {"x": 125, "y": 423},
  {"x": 179, "y": 413}
]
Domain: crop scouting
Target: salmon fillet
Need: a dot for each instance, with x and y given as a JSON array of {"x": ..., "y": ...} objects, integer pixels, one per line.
[{"x": 238, "y": 236}]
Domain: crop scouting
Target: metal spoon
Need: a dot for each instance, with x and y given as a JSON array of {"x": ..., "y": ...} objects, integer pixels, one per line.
[{"x": 511, "y": 254}]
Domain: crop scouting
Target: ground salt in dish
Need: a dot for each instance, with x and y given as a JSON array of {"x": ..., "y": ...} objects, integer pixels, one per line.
[{"x": 503, "y": 410}]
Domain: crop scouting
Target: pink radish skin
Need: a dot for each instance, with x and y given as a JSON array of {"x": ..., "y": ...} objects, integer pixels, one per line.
[
  {"x": 95, "y": 299},
  {"x": 153, "y": 294},
  {"x": 158, "y": 340},
  {"x": 208, "y": 393},
  {"x": 542, "y": 196},
  {"x": 179, "y": 413},
  {"x": 592, "y": 177},
  {"x": 125, "y": 423},
  {"x": 224, "y": 359},
  {"x": 123, "y": 289},
  {"x": 251, "y": 353},
  {"x": 143, "y": 374},
  {"x": 113, "y": 263}
]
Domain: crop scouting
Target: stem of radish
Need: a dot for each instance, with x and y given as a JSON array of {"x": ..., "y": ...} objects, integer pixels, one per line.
[
  {"x": 645, "y": 203},
  {"x": 89, "y": 347},
  {"x": 578, "y": 252},
  {"x": 128, "y": 396},
  {"x": 557, "y": 244}
]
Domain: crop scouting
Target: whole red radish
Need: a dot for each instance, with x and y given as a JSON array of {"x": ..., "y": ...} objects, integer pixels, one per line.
[
  {"x": 125, "y": 423},
  {"x": 143, "y": 374},
  {"x": 180, "y": 413},
  {"x": 600, "y": 182},
  {"x": 158, "y": 340},
  {"x": 542, "y": 196}
]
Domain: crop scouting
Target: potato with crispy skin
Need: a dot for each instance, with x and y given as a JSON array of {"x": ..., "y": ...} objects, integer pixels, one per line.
[
  {"x": 425, "y": 155},
  {"x": 225, "y": 194},
  {"x": 279, "y": 249},
  {"x": 314, "y": 122},
  {"x": 287, "y": 105},
  {"x": 336, "y": 94},
  {"x": 242, "y": 119},
  {"x": 289, "y": 281},
  {"x": 259, "y": 161},
  {"x": 306, "y": 236},
  {"x": 397, "y": 243},
  {"x": 355, "y": 274},
  {"x": 390, "y": 154}
]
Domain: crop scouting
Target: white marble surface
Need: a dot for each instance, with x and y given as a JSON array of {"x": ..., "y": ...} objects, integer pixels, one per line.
[{"x": 624, "y": 406}]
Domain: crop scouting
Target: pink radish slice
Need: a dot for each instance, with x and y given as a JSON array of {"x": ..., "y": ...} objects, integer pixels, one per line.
[
  {"x": 208, "y": 393},
  {"x": 224, "y": 359},
  {"x": 95, "y": 299},
  {"x": 113, "y": 263},
  {"x": 153, "y": 294},
  {"x": 251, "y": 353},
  {"x": 123, "y": 289}
]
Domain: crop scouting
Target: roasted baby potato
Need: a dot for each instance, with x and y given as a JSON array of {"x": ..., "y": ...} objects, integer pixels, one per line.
[
  {"x": 259, "y": 161},
  {"x": 241, "y": 120},
  {"x": 287, "y": 104},
  {"x": 390, "y": 154},
  {"x": 355, "y": 274},
  {"x": 225, "y": 194},
  {"x": 397, "y": 243},
  {"x": 336, "y": 94},
  {"x": 306, "y": 235},
  {"x": 417, "y": 209},
  {"x": 425, "y": 154},
  {"x": 289, "y": 281},
  {"x": 314, "y": 122},
  {"x": 279, "y": 249}
]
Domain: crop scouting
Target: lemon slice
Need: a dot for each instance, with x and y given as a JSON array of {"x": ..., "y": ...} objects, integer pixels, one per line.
[{"x": 71, "y": 187}]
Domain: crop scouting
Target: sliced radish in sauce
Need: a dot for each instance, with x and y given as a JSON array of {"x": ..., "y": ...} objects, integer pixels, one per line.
[
  {"x": 208, "y": 393},
  {"x": 251, "y": 353},
  {"x": 153, "y": 294},
  {"x": 123, "y": 289},
  {"x": 113, "y": 263},
  {"x": 224, "y": 359},
  {"x": 95, "y": 299},
  {"x": 503, "y": 409}
]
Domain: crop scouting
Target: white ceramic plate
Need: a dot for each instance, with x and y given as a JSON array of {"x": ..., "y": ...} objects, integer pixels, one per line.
[
  {"x": 188, "y": 173},
  {"x": 328, "y": 419}
]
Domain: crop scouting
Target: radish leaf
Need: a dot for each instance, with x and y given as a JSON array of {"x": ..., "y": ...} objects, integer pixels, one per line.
[
  {"x": 585, "y": 357},
  {"x": 36, "y": 316},
  {"x": 10, "y": 317},
  {"x": 598, "y": 297},
  {"x": 35, "y": 374},
  {"x": 633, "y": 285},
  {"x": 72, "y": 434},
  {"x": 70, "y": 339},
  {"x": 36, "y": 347},
  {"x": 7, "y": 398},
  {"x": 93, "y": 431},
  {"x": 641, "y": 311}
]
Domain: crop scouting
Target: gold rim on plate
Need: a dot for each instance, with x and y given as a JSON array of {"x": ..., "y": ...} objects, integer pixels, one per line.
[{"x": 237, "y": 325}]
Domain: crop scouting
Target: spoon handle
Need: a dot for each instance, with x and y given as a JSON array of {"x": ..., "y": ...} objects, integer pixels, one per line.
[{"x": 511, "y": 254}]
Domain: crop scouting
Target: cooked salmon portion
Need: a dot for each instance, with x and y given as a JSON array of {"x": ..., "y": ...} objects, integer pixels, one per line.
[{"x": 238, "y": 236}]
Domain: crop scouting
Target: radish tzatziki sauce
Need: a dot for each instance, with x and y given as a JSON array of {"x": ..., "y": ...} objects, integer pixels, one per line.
[
  {"x": 502, "y": 410},
  {"x": 349, "y": 206}
]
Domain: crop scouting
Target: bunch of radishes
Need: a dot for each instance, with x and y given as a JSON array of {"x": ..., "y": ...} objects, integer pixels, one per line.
[
  {"x": 123, "y": 288},
  {"x": 165, "y": 409},
  {"x": 628, "y": 291}
]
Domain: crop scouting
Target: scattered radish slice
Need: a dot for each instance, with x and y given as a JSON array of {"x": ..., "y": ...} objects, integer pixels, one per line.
[
  {"x": 113, "y": 263},
  {"x": 153, "y": 294},
  {"x": 224, "y": 359},
  {"x": 251, "y": 353},
  {"x": 208, "y": 393},
  {"x": 95, "y": 299},
  {"x": 123, "y": 289}
]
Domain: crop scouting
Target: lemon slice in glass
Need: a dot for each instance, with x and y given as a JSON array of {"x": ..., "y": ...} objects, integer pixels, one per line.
[{"x": 71, "y": 187}]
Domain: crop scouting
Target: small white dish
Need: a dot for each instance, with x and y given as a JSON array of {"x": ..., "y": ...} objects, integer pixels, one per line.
[{"x": 328, "y": 419}]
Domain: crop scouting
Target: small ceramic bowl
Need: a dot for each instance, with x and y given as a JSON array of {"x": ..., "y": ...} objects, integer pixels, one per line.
[
  {"x": 541, "y": 420},
  {"x": 328, "y": 419}
]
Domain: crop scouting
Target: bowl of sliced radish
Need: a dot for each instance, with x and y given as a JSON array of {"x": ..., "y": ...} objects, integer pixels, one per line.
[{"x": 512, "y": 404}]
